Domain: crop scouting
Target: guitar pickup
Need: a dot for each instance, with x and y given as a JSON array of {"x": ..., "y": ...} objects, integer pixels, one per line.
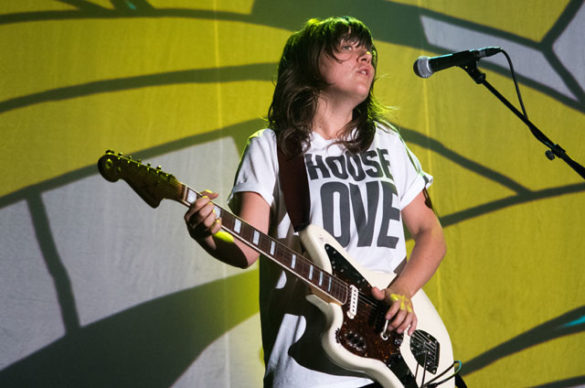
[{"x": 353, "y": 301}]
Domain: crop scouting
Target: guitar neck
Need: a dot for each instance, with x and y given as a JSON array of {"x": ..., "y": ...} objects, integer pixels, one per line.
[{"x": 318, "y": 279}]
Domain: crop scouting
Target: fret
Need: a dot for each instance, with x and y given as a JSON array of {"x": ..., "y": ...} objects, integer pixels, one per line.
[
  {"x": 237, "y": 225},
  {"x": 293, "y": 261},
  {"x": 311, "y": 272}
]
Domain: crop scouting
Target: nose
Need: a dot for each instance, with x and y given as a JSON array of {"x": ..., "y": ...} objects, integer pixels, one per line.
[{"x": 365, "y": 56}]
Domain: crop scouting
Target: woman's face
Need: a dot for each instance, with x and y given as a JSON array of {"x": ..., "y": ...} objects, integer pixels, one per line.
[{"x": 349, "y": 72}]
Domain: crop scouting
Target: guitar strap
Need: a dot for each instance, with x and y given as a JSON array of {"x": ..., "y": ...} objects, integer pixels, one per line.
[{"x": 295, "y": 188}]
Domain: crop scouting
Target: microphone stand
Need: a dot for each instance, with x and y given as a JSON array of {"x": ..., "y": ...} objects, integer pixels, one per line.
[{"x": 553, "y": 149}]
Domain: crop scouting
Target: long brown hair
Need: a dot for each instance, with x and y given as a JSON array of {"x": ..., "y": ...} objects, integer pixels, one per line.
[{"x": 299, "y": 83}]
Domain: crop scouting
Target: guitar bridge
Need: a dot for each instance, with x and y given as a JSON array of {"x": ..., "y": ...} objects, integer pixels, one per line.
[{"x": 426, "y": 350}]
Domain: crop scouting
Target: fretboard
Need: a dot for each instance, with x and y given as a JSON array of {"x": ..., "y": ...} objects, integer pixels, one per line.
[{"x": 274, "y": 250}]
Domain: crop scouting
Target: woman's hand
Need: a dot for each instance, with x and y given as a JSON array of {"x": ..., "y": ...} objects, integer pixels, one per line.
[
  {"x": 401, "y": 314},
  {"x": 205, "y": 227},
  {"x": 201, "y": 219}
]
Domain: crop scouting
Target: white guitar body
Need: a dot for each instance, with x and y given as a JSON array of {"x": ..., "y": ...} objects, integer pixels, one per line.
[{"x": 315, "y": 240}]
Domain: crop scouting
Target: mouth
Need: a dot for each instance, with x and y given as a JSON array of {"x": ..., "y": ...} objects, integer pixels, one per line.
[{"x": 364, "y": 71}]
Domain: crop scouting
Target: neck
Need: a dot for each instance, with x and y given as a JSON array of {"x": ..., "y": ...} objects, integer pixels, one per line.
[{"x": 331, "y": 118}]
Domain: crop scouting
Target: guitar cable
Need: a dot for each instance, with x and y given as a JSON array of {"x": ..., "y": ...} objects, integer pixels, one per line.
[
  {"x": 424, "y": 366},
  {"x": 430, "y": 384}
]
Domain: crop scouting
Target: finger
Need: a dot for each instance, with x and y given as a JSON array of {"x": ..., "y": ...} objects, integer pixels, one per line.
[
  {"x": 206, "y": 210},
  {"x": 413, "y": 324},
  {"x": 398, "y": 319},
  {"x": 196, "y": 207},
  {"x": 216, "y": 226},
  {"x": 202, "y": 224},
  {"x": 202, "y": 229},
  {"x": 209, "y": 217},
  {"x": 193, "y": 217},
  {"x": 209, "y": 194},
  {"x": 189, "y": 213},
  {"x": 377, "y": 293},
  {"x": 392, "y": 311},
  {"x": 406, "y": 322},
  {"x": 201, "y": 202}
]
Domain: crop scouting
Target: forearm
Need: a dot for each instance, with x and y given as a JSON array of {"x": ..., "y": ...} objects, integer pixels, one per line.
[{"x": 428, "y": 252}]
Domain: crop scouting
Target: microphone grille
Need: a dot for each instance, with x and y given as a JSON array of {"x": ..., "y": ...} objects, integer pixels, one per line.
[{"x": 422, "y": 67}]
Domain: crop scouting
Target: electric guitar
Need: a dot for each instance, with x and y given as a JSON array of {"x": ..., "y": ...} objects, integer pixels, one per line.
[{"x": 355, "y": 337}]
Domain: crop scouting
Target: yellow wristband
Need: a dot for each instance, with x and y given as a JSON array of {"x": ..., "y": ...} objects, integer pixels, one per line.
[{"x": 404, "y": 302}]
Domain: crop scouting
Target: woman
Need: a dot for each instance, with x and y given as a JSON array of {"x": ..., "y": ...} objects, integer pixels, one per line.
[{"x": 363, "y": 183}]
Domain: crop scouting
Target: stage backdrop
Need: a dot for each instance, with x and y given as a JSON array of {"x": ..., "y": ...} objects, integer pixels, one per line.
[{"x": 99, "y": 289}]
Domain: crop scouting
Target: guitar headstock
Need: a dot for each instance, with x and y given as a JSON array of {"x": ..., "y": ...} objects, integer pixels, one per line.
[{"x": 151, "y": 184}]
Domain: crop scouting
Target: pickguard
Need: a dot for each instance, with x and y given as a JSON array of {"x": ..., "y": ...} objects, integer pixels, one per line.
[{"x": 361, "y": 335}]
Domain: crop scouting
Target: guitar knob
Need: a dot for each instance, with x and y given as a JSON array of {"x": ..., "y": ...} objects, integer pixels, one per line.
[{"x": 398, "y": 340}]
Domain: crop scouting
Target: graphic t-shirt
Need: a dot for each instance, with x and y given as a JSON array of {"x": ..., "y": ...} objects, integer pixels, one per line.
[{"x": 357, "y": 198}]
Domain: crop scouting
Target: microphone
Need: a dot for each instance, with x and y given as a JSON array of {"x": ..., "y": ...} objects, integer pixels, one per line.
[{"x": 424, "y": 67}]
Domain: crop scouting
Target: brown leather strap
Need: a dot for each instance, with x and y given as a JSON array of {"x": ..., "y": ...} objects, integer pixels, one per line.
[
  {"x": 400, "y": 267},
  {"x": 295, "y": 187}
]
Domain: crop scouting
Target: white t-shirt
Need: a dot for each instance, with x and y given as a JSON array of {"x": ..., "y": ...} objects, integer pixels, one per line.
[{"x": 357, "y": 198}]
